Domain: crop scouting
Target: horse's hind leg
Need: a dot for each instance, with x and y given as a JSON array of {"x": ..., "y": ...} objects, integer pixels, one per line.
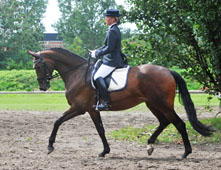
[
  {"x": 166, "y": 116},
  {"x": 163, "y": 124},
  {"x": 181, "y": 127},
  {"x": 172, "y": 117},
  {"x": 95, "y": 116}
]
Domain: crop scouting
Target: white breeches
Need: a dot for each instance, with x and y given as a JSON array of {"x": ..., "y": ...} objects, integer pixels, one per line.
[{"x": 103, "y": 71}]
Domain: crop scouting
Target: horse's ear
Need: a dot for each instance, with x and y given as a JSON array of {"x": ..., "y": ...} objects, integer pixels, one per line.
[{"x": 33, "y": 54}]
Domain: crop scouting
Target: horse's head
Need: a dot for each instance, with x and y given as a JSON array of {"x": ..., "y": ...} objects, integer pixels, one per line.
[{"x": 42, "y": 69}]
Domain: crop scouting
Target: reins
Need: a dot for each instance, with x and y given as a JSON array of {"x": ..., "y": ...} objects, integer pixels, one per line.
[
  {"x": 47, "y": 69},
  {"x": 71, "y": 69},
  {"x": 88, "y": 66}
]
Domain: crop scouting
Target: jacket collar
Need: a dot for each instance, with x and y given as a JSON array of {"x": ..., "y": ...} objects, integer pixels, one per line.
[{"x": 112, "y": 25}]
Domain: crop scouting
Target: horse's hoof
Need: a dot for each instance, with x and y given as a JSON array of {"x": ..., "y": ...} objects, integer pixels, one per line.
[
  {"x": 101, "y": 155},
  {"x": 184, "y": 156},
  {"x": 150, "y": 149},
  {"x": 212, "y": 128},
  {"x": 50, "y": 149}
]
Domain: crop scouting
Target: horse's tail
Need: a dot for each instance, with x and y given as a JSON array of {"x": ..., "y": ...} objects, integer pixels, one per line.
[{"x": 189, "y": 106}]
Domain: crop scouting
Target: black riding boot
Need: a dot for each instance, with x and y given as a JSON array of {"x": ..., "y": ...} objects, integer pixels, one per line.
[{"x": 102, "y": 89}]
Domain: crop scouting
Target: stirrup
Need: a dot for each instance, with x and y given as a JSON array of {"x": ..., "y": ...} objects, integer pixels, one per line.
[{"x": 103, "y": 106}]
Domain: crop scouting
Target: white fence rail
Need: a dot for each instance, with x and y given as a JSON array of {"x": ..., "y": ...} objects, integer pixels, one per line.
[
  {"x": 57, "y": 92},
  {"x": 31, "y": 92}
]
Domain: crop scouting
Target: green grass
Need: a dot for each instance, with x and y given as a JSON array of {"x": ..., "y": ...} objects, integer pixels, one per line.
[
  {"x": 169, "y": 135},
  {"x": 38, "y": 102},
  {"x": 198, "y": 100},
  {"x": 58, "y": 102}
]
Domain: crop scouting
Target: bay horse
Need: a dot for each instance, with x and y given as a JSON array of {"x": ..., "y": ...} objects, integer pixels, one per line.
[{"x": 154, "y": 85}]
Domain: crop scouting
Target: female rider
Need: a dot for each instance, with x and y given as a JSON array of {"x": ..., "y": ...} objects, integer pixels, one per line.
[{"x": 111, "y": 52}]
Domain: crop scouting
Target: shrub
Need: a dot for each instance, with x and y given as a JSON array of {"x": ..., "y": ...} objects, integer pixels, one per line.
[{"x": 25, "y": 80}]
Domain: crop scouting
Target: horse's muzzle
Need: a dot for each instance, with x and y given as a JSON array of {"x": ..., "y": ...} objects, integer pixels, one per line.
[
  {"x": 44, "y": 86},
  {"x": 43, "y": 89}
]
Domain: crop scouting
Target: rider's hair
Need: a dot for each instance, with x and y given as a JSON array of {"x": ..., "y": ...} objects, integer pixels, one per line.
[{"x": 117, "y": 20}]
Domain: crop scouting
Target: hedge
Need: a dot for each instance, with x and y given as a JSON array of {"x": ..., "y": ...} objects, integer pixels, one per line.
[{"x": 25, "y": 80}]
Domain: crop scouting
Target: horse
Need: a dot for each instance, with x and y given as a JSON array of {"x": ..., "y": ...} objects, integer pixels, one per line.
[{"x": 152, "y": 84}]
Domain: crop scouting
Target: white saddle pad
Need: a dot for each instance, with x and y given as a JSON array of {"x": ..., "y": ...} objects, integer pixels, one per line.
[{"x": 119, "y": 79}]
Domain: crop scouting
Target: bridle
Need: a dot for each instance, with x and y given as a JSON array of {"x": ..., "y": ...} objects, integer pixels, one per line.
[{"x": 48, "y": 73}]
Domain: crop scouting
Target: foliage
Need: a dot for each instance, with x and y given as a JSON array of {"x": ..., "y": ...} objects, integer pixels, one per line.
[
  {"x": 140, "y": 52},
  {"x": 186, "y": 33},
  {"x": 77, "y": 46},
  {"x": 24, "y": 80},
  {"x": 17, "y": 80},
  {"x": 85, "y": 20},
  {"x": 20, "y": 30},
  {"x": 170, "y": 134},
  {"x": 192, "y": 84}
]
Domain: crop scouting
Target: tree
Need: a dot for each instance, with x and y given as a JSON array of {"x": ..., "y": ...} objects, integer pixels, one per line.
[
  {"x": 186, "y": 32},
  {"x": 85, "y": 20},
  {"x": 20, "y": 29},
  {"x": 77, "y": 46},
  {"x": 140, "y": 51}
]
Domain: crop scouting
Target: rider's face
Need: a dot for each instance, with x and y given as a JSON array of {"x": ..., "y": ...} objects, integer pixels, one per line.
[{"x": 110, "y": 20}]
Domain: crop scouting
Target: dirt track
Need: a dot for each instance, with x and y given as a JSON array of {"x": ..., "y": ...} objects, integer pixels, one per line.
[{"x": 24, "y": 138}]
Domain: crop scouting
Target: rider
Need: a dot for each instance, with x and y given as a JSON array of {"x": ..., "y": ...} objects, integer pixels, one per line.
[{"x": 111, "y": 52}]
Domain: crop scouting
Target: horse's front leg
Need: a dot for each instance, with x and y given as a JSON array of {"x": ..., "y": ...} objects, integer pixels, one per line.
[
  {"x": 66, "y": 116},
  {"x": 99, "y": 126}
]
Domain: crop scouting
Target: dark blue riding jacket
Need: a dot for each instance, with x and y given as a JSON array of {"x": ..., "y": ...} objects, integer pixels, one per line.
[{"x": 111, "y": 51}]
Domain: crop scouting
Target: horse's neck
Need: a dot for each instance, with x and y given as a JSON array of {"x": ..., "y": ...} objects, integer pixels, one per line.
[
  {"x": 68, "y": 69},
  {"x": 66, "y": 64}
]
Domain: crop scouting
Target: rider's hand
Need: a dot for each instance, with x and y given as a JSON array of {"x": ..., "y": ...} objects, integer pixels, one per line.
[{"x": 93, "y": 54}]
